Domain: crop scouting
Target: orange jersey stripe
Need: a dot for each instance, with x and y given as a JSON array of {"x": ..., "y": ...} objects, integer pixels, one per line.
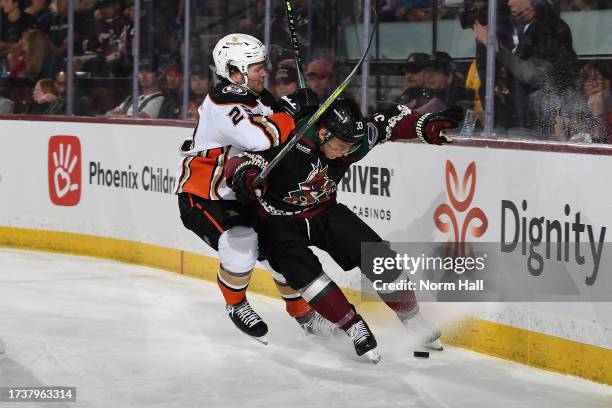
[
  {"x": 215, "y": 223},
  {"x": 202, "y": 175},
  {"x": 284, "y": 123}
]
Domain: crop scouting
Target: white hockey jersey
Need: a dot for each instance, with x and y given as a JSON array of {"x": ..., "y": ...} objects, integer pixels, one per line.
[{"x": 232, "y": 121}]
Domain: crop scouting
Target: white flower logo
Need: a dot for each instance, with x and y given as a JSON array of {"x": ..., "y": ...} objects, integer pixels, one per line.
[{"x": 63, "y": 169}]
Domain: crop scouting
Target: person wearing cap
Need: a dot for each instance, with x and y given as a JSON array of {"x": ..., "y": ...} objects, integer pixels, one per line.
[
  {"x": 150, "y": 99},
  {"x": 440, "y": 77},
  {"x": 284, "y": 81},
  {"x": 285, "y": 59},
  {"x": 412, "y": 91},
  {"x": 413, "y": 70},
  {"x": 321, "y": 77}
]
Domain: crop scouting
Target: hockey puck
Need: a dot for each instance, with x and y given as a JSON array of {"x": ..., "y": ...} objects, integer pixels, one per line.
[{"x": 421, "y": 354}]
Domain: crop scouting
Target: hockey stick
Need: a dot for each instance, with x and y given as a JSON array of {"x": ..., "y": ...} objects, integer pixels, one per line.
[
  {"x": 294, "y": 43},
  {"x": 313, "y": 119}
]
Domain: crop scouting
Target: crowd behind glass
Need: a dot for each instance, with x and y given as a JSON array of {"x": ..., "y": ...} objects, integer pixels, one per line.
[{"x": 543, "y": 89}]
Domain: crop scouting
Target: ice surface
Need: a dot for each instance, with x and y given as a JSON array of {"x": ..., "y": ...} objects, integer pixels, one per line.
[{"x": 130, "y": 337}]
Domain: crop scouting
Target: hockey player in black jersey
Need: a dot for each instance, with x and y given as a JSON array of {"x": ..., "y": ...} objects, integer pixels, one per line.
[{"x": 296, "y": 208}]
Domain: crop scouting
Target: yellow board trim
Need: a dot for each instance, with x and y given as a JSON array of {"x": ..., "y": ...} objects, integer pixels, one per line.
[
  {"x": 495, "y": 339},
  {"x": 533, "y": 349}
]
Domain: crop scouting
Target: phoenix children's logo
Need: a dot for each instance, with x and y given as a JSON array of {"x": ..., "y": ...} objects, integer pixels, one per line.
[
  {"x": 455, "y": 191},
  {"x": 64, "y": 170},
  {"x": 317, "y": 187}
]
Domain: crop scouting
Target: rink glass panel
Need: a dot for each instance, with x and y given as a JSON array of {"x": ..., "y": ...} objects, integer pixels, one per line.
[{"x": 553, "y": 106}]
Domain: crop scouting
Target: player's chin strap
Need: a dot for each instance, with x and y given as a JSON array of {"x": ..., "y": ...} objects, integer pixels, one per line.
[
  {"x": 245, "y": 78},
  {"x": 313, "y": 119},
  {"x": 327, "y": 137}
]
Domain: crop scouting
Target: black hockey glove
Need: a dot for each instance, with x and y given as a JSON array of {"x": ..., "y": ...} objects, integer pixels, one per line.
[
  {"x": 245, "y": 169},
  {"x": 300, "y": 104},
  {"x": 429, "y": 127}
]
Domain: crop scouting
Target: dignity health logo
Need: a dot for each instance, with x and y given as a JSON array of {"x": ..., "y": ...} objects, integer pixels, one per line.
[
  {"x": 455, "y": 191},
  {"x": 64, "y": 170}
]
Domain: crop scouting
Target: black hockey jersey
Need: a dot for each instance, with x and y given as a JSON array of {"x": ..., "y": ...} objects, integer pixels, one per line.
[{"x": 305, "y": 182}]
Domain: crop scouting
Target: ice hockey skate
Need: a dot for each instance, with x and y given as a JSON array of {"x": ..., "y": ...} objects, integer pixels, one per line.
[
  {"x": 421, "y": 328},
  {"x": 363, "y": 340},
  {"x": 316, "y": 325},
  {"x": 248, "y": 321}
]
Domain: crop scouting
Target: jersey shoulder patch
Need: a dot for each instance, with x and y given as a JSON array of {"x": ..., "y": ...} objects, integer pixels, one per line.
[
  {"x": 231, "y": 88},
  {"x": 372, "y": 135},
  {"x": 226, "y": 94}
]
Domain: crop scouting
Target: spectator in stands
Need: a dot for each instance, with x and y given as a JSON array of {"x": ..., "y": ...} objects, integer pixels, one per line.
[
  {"x": 173, "y": 92},
  {"x": 39, "y": 10},
  {"x": 447, "y": 86},
  {"x": 44, "y": 94},
  {"x": 201, "y": 80},
  {"x": 150, "y": 99},
  {"x": 505, "y": 112},
  {"x": 58, "y": 27},
  {"x": 81, "y": 104},
  {"x": 412, "y": 90},
  {"x": 285, "y": 59},
  {"x": 284, "y": 81},
  {"x": 320, "y": 76},
  {"x": 61, "y": 82},
  {"x": 173, "y": 79},
  {"x": 105, "y": 41},
  {"x": 595, "y": 81},
  {"x": 588, "y": 116},
  {"x": 14, "y": 25},
  {"x": 149, "y": 41},
  {"x": 538, "y": 53},
  {"x": 36, "y": 59}
]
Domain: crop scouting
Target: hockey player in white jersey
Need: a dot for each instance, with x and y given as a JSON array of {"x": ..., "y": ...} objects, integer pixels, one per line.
[{"x": 232, "y": 119}]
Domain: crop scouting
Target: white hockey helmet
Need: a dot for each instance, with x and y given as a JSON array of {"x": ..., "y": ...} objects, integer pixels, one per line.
[{"x": 240, "y": 51}]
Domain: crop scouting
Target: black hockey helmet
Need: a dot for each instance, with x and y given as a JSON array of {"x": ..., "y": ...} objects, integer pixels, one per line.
[{"x": 344, "y": 121}]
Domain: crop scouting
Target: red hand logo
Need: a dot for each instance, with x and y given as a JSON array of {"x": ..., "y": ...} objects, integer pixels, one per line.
[{"x": 64, "y": 165}]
